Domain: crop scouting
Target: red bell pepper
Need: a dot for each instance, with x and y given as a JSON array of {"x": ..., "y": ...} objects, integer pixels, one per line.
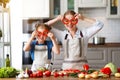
[
  {"x": 106, "y": 70},
  {"x": 86, "y": 67}
]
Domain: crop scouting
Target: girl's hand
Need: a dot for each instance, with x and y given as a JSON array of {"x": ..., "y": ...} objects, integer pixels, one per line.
[
  {"x": 51, "y": 35},
  {"x": 59, "y": 17},
  {"x": 34, "y": 34},
  {"x": 79, "y": 16}
]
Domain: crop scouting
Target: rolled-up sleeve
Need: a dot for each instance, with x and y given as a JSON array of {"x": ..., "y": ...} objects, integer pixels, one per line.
[{"x": 97, "y": 26}]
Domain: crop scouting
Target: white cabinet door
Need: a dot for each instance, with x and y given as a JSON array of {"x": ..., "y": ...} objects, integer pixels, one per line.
[
  {"x": 60, "y": 6},
  {"x": 92, "y": 3},
  {"x": 114, "y": 56},
  {"x": 113, "y": 9},
  {"x": 36, "y": 8},
  {"x": 97, "y": 57}
]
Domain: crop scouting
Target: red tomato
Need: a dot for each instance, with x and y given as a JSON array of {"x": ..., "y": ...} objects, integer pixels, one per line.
[
  {"x": 76, "y": 71},
  {"x": 47, "y": 73},
  {"x": 86, "y": 67},
  {"x": 39, "y": 73},
  {"x": 61, "y": 74},
  {"x": 118, "y": 70},
  {"x": 31, "y": 75},
  {"x": 55, "y": 74},
  {"x": 34, "y": 75}
]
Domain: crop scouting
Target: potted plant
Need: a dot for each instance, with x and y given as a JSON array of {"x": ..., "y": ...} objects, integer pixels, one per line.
[{"x": 4, "y": 2}]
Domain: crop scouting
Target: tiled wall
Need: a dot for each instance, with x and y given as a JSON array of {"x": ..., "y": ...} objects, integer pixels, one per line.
[{"x": 111, "y": 29}]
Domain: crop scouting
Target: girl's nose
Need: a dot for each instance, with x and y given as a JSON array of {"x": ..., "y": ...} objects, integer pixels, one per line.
[
  {"x": 69, "y": 23},
  {"x": 42, "y": 36}
]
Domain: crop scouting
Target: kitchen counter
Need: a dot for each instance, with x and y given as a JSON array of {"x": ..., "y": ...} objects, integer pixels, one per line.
[
  {"x": 90, "y": 45},
  {"x": 105, "y": 45},
  {"x": 59, "y": 78}
]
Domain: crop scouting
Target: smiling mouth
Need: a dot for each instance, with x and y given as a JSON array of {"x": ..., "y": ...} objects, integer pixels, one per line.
[{"x": 70, "y": 26}]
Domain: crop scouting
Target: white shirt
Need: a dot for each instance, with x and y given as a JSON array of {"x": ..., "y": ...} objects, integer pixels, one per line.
[{"x": 87, "y": 33}]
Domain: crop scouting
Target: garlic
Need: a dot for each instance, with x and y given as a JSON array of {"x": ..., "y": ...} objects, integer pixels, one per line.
[
  {"x": 93, "y": 75},
  {"x": 117, "y": 75},
  {"x": 20, "y": 76},
  {"x": 26, "y": 75},
  {"x": 87, "y": 76},
  {"x": 81, "y": 75}
]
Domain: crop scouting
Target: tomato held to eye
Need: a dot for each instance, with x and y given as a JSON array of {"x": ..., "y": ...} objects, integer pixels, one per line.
[{"x": 86, "y": 67}]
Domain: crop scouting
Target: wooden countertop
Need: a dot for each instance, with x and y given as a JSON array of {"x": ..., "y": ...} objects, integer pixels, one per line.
[
  {"x": 59, "y": 78},
  {"x": 90, "y": 45}
]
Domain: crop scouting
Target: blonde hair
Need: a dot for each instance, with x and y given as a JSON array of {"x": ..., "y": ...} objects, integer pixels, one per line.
[
  {"x": 42, "y": 25},
  {"x": 69, "y": 12}
]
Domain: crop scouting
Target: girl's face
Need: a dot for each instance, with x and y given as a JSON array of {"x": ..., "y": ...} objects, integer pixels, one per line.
[
  {"x": 70, "y": 22},
  {"x": 42, "y": 34}
]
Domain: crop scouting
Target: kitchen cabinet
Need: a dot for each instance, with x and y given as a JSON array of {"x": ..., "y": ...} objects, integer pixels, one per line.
[
  {"x": 61, "y": 6},
  {"x": 92, "y": 3},
  {"x": 97, "y": 57},
  {"x": 113, "y": 55},
  {"x": 113, "y": 9},
  {"x": 89, "y": 4},
  {"x": 5, "y": 40},
  {"x": 36, "y": 8}
]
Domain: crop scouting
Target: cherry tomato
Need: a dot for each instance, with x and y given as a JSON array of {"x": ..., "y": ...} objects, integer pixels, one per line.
[
  {"x": 86, "y": 67},
  {"x": 34, "y": 75},
  {"x": 118, "y": 70},
  {"x": 31, "y": 75},
  {"x": 39, "y": 73},
  {"x": 61, "y": 74},
  {"x": 48, "y": 73},
  {"x": 56, "y": 74}
]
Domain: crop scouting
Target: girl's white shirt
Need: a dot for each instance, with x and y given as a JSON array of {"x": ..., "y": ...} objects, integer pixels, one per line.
[{"x": 87, "y": 33}]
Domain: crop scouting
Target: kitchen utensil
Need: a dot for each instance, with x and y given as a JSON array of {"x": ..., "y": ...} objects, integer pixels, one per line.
[{"x": 99, "y": 40}]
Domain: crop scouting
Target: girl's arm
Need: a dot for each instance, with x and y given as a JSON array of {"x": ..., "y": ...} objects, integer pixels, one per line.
[
  {"x": 27, "y": 46},
  {"x": 86, "y": 19},
  {"x": 55, "y": 48},
  {"x": 92, "y": 30},
  {"x": 51, "y": 22}
]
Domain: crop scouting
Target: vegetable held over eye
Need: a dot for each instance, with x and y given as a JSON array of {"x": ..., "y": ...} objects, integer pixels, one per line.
[
  {"x": 44, "y": 33},
  {"x": 73, "y": 21}
]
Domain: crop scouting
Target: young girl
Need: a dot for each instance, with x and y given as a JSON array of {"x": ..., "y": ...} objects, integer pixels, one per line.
[
  {"x": 75, "y": 41},
  {"x": 40, "y": 49}
]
